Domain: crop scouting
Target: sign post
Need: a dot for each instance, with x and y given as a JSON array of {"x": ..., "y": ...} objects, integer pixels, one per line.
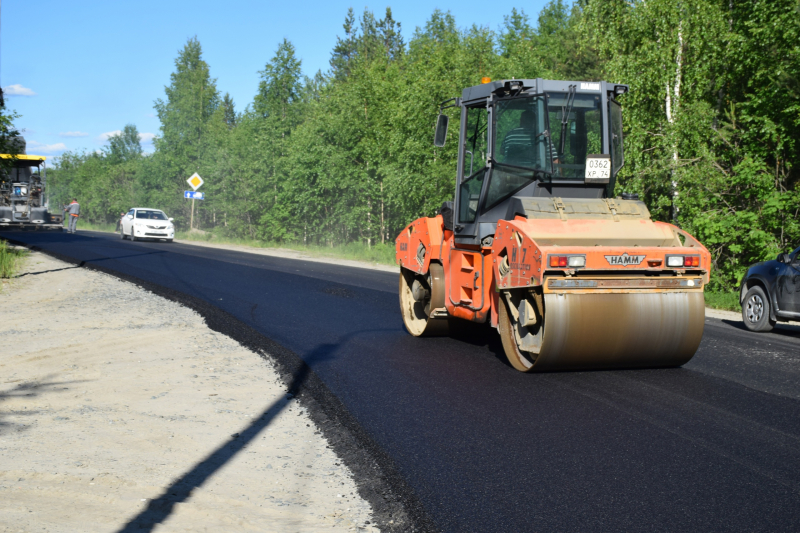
[{"x": 194, "y": 181}]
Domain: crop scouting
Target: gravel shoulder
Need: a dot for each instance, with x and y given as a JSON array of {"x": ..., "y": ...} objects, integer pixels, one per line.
[{"x": 119, "y": 407}]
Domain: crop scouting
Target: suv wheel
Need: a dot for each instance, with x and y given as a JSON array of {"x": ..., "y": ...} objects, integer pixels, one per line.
[{"x": 755, "y": 310}]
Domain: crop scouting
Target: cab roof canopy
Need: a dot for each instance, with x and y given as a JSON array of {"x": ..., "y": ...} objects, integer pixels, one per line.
[
  {"x": 539, "y": 85},
  {"x": 22, "y": 160}
]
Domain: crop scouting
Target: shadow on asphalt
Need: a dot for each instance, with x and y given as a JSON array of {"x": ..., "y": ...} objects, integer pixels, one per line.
[
  {"x": 482, "y": 335},
  {"x": 784, "y": 330},
  {"x": 159, "y": 509}
]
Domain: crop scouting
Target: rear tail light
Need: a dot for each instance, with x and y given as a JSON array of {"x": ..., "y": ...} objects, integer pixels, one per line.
[
  {"x": 564, "y": 261},
  {"x": 681, "y": 261}
]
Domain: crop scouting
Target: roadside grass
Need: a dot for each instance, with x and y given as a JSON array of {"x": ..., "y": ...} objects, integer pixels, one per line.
[
  {"x": 727, "y": 301},
  {"x": 109, "y": 228},
  {"x": 379, "y": 253},
  {"x": 11, "y": 260}
]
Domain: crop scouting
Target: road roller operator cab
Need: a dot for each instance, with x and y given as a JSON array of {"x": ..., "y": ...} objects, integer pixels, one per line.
[
  {"x": 536, "y": 242},
  {"x": 533, "y": 138}
]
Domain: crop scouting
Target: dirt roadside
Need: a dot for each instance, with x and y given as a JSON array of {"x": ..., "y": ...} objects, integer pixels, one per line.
[{"x": 118, "y": 408}]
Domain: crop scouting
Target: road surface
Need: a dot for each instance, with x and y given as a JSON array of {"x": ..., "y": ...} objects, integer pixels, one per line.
[{"x": 712, "y": 446}]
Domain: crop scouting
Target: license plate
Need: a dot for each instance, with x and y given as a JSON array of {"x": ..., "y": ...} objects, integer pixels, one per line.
[{"x": 598, "y": 168}]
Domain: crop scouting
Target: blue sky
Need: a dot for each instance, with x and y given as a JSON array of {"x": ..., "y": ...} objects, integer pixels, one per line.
[{"x": 81, "y": 69}]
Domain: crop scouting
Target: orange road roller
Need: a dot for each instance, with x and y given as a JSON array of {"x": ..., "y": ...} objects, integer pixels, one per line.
[{"x": 536, "y": 242}]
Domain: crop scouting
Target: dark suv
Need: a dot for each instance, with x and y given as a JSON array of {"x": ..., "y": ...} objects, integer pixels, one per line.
[{"x": 770, "y": 292}]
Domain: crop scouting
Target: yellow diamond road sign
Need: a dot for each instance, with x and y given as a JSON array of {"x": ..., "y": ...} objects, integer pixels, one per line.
[{"x": 195, "y": 181}]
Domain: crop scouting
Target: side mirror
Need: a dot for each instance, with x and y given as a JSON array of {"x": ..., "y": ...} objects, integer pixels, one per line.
[
  {"x": 784, "y": 258},
  {"x": 130, "y": 217},
  {"x": 172, "y": 220},
  {"x": 441, "y": 130}
]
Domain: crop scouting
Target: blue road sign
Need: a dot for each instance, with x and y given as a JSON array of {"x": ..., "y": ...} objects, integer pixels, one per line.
[{"x": 194, "y": 195}]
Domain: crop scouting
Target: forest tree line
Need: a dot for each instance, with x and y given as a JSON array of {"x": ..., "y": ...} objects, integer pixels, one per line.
[{"x": 711, "y": 123}]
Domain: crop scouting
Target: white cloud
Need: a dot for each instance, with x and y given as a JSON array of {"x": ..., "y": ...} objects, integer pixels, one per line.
[
  {"x": 147, "y": 137},
  {"x": 37, "y": 147},
  {"x": 103, "y": 137},
  {"x": 17, "y": 90},
  {"x": 73, "y": 134}
]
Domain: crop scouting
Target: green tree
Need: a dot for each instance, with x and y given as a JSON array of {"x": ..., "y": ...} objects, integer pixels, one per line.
[
  {"x": 711, "y": 120},
  {"x": 389, "y": 31},
  {"x": 711, "y": 125},
  {"x": 278, "y": 110},
  {"x": 517, "y": 47},
  {"x": 8, "y": 133},
  {"x": 280, "y": 84},
  {"x": 191, "y": 100},
  {"x": 229, "y": 109},
  {"x": 192, "y": 97},
  {"x": 105, "y": 188},
  {"x": 124, "y": 146},
  {"x": 345, "y": 48}
]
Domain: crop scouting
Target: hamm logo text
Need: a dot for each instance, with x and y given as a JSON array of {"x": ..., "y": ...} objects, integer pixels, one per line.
[{"x": 624, "y": 259}]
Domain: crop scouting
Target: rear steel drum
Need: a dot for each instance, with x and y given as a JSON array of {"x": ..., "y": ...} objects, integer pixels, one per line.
[{"x": 612, "y": 330}]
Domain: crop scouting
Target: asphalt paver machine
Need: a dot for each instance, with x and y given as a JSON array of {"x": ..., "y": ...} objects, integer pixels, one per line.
[
  {"x": 535, "y": 241},
  {"x": 23, "y": 192}
]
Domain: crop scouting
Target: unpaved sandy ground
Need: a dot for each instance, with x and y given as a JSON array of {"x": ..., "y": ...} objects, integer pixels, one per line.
[{"x": 119, "y": 408}]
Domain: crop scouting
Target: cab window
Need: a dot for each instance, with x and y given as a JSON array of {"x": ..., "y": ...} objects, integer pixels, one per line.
[{"x": 474, "y": 163}]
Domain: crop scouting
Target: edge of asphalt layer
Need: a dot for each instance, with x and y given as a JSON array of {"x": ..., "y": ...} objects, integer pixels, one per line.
[
  {"x": 285, "y": 253},
  {"x": 395, "y": 506}
]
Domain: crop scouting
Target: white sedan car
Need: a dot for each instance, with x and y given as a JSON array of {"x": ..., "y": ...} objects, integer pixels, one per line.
[{"x": 144, "y": 223}]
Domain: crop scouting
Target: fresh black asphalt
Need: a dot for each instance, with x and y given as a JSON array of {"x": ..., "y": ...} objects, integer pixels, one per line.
[{"x": 712, "y": 446}]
